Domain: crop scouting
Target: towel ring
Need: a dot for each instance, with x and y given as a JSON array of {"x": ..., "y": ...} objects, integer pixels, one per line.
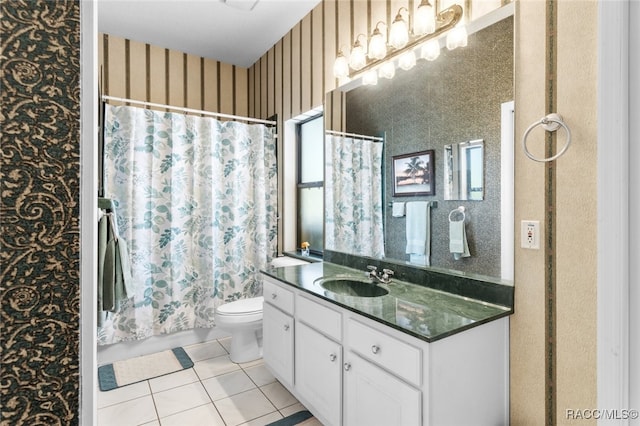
[
  {"x": 458, "y": 210},
  {"x": 550, "y": 123}
]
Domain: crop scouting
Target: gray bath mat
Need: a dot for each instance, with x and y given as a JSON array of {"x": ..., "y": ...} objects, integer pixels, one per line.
[
  {"x": 299, "y": 418},
  {"x": 138, "y": 369}
]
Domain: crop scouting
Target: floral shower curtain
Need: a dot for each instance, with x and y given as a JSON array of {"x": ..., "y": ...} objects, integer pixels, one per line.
[
  {"x": 353, "y": 196},
  {"x": 196, "y": 202}
]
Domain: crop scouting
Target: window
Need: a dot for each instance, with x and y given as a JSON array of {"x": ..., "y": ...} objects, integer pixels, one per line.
[{"x": 310, "y": 183}]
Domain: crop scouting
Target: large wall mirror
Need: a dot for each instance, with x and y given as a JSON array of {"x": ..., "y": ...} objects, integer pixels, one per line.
[{"x": 459, "y": 105}]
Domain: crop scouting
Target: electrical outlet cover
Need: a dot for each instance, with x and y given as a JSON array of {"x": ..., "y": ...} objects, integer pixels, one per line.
[{"x": 530, "y": 234}]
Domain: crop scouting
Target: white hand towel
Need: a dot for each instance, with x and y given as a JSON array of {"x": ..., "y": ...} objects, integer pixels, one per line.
[
  {"x": 458, "y": 240},
  {"x": 398, "y": 209},
  {"x": 418, "y": 228}
]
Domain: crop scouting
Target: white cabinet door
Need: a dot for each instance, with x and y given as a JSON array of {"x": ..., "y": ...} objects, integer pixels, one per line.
[
  {"x": 319, "y": 372},
  {"x": 374, "y": 397},
  {"x": 277, "y": 347}
]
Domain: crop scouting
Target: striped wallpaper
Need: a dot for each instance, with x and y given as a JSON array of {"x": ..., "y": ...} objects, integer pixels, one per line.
[
  {"x": 135, "y": 70},
  {"x": 291, "y": 78},
  {"x": 296, "y": 73}
]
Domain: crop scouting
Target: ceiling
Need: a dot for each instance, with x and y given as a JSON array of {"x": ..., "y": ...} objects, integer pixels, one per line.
[{"x": 222, "y": 30}]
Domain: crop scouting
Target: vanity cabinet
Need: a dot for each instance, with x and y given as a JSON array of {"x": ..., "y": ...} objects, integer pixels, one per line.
[
  {"x": 375, "y": 397},
  {"x": 278, "y": 332},
  {"x": 351, "y": 370},
  {"x": 382, "y": 378},
  {"x": 318, "y": 372}
]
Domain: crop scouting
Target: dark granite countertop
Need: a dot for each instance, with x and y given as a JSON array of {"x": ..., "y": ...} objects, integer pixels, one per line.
[{"x": 420, "y": 311}]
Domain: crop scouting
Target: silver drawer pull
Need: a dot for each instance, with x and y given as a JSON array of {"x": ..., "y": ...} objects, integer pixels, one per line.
[
  {"x": 347, "y": 366},
  {"x": 332, "y": 357},
  {"x": 375, "y": 349},
  {"x": 274, "y": 295},
  {"x": 286, "y": 327}
]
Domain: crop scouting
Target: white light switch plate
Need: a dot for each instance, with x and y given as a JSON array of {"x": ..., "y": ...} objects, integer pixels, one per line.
[{"x": 530, "y": 234}]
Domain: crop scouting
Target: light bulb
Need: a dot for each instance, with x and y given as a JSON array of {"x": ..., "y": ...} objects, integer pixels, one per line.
[
  {"x": 358, "y": 57},
  {"x": 341, "y": 66},
  {"x": 430, "y": 50},
  {"x": 407, "y": 60},
  {"x": 399, "y": 33},
  {"x": 377, "y": 46},
  {"x": 457, "y": 37},
  {"x": 387, "y": 70},
  {"x": 370, "y": 78},
  {"x": 424, "y": 21}
]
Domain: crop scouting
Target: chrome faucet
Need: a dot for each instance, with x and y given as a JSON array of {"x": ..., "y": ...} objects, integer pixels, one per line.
[{"x": 384, "y": 277}]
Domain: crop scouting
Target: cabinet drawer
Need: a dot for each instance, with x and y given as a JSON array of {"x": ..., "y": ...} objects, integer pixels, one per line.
[
  {"x": 398, "y": 357},
  {"x": 318, "y": 316},
  {"x": 278, "y": 296}
]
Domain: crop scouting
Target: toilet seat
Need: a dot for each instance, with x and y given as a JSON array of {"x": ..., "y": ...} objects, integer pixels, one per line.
[{"x": 241, "y": 311}]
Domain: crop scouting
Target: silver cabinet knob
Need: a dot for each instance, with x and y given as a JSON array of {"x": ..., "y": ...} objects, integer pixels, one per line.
[
  {"x": 286, "y": 327},
  {"x": 375, "y": 349},
  {"x": 332, "y": 357},
  {"x": 274, "y": 296},
  {"x": 347, "y": 366}
]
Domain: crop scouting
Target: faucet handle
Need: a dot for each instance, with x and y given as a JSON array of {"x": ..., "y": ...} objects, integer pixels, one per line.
[
  {"x": 372, "y": 268},
  {"x": 388, "y": 272}
]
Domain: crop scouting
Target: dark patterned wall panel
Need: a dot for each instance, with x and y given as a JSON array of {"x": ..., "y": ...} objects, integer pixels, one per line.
[{"x": 39, "y": 212}]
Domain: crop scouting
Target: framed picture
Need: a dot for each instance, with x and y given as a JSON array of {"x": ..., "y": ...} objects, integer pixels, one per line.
[{"x": 413, "y": 174}]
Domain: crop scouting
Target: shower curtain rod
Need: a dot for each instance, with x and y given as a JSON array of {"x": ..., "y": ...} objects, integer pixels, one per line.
[
  {"x": 193, "y": 111},
  {"x": 373, "y": 138}
]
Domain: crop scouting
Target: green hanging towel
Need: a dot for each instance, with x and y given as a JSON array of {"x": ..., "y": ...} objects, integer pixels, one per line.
[{"x": 114, "y": 272}]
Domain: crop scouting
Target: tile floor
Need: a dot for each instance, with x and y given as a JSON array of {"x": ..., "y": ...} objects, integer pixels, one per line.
[{"x": 214, "y": 392}]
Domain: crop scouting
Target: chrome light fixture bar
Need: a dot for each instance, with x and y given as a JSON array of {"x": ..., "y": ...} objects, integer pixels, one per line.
[{"x": 445, "y": 21}]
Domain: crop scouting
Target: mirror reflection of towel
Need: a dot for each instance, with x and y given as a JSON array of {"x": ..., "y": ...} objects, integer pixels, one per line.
[
  {"x": 419, "y": 230},
  {"x": 397, "y": 209},
  {"x": 458, "y": 240}
]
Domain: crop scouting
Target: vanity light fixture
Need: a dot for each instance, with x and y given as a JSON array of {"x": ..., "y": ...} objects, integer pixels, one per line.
[
  {"x": 407, "y": 60},
  {"x": 430, "y": 50},
  {"x": 424, "y": 21},
  {"x": 358, "y": 56},
  {"x": 341, "y": 66},
  {"x": 401, "y": 41},
  {"x": 370, "y": 78},
  {"x": 387, "y": 70},
  {"x": 378, "y": 43},
  {"x": 399, "y": 32},
  {"x": 457, "y": 37}
]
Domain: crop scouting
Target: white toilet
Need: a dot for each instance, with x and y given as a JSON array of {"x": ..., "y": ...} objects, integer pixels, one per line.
[{"x": 243, "y": 319}]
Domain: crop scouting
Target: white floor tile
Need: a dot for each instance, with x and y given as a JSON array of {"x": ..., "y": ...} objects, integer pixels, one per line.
[
  {"x": 264, "y": 420},
  {"x": 180, "y": 399},
  {"x": 229, "y": 384},
  {"x": 173, "y": 380},
  {"x": 244, "y": 407},
  {"x": 312, "y": 422},
  {"x": 184, "y": 398},
  {"x": 253, "y": 363},
  {"x": 123, "y": 394},
  {"x": 287, "y": 411},
  {"x": 278, "y": 395},
  {"x": 203, "y": 415},
  {"x": 131, "y": 413},
  {"x": 226, "y": 343},
  {"x": 260, "y": 375},
  {"x": 214, "y": 367},
  {"x": 205, "y": 350}
]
